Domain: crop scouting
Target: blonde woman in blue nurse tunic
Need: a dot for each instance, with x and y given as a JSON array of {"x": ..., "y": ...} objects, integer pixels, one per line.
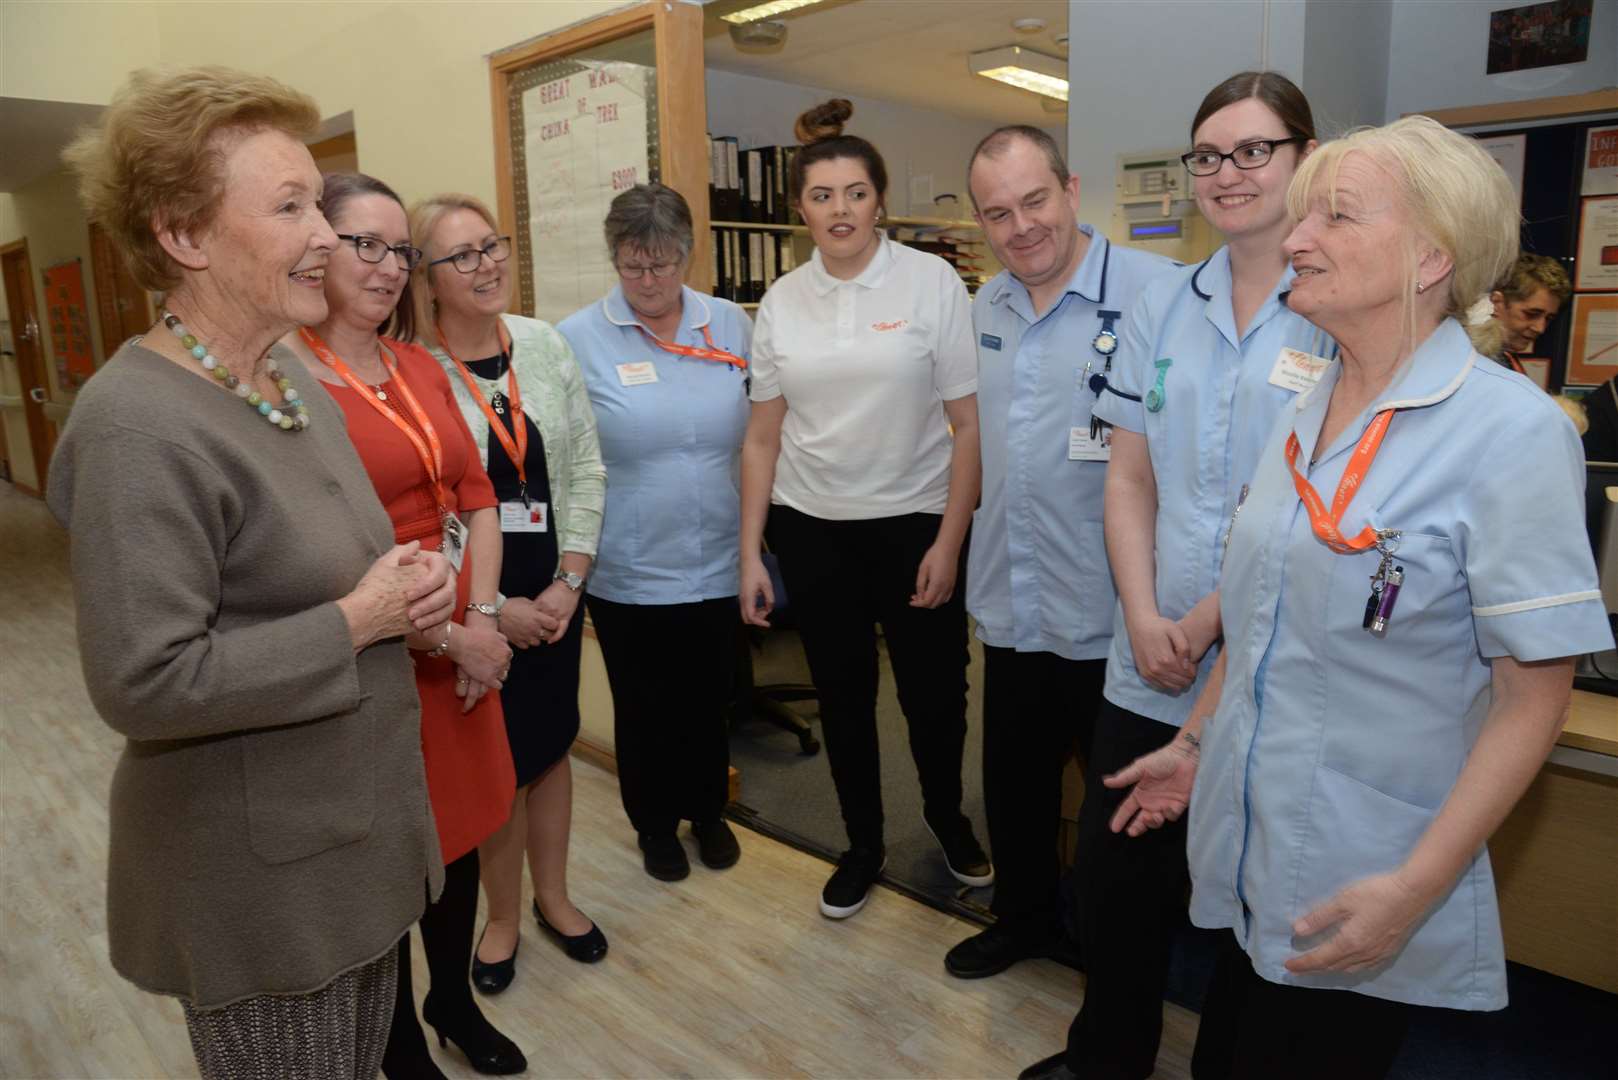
[{"x": 1404, "y": 593}]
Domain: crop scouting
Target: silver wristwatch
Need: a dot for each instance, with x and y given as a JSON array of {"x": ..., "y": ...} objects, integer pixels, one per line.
[
  {"x": 571, "y": 580},
  {"x": 491, "y": 610}
]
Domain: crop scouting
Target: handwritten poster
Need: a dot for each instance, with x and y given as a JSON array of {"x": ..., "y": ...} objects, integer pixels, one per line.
[
  {"x": 1600, "y": 162},
  {"x": 69, "y": 323},
  {"x": 585, "y": 140}
]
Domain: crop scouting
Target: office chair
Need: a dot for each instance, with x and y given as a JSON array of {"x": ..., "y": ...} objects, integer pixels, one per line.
[{"x": 769, "y": 702}]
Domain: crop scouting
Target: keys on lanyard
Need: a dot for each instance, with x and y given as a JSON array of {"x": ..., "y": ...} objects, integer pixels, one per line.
[
  {"x": 1385, "y": 584},
  {"x": 1104, "y": 345}
]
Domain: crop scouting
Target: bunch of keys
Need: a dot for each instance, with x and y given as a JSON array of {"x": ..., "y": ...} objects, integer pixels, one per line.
[{"x": 1385, "y": 584}]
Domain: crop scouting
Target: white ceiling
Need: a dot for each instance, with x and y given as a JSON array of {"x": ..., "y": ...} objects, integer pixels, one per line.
[
  {"x": 909, "y": 51},
  {"x": 33, "y": 134}
]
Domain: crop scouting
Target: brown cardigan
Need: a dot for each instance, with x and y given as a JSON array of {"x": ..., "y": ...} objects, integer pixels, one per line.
[{"x": 269, "y": 815}]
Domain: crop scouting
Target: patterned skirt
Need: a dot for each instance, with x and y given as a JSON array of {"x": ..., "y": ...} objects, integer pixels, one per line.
[{"x": 336, "y": 1033}]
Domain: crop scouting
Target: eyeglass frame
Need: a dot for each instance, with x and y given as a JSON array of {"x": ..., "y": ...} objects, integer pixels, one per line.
[
  {"x": 482, "y": 253},
  {"x": 399, "y": 250},
  {"x": 669, "y": 270},
  {"x": 1231, "y": 157}
]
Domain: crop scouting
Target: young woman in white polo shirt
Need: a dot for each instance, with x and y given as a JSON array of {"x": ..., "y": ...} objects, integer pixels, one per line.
[{"x": 862, "y": 364}]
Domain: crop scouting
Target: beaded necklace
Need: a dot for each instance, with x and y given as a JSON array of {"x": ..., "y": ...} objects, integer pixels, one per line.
[{"x": 291, "y": 416}]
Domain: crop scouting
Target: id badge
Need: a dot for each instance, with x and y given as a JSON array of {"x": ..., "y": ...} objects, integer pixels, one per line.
[
  {"x": 519, "y": 516},
  {"x": 638, "y": 373},
  {"x": 454, "y": 546},
  {"x": 1080, "y": 447},
  {"x": 1297, "y": 370}
]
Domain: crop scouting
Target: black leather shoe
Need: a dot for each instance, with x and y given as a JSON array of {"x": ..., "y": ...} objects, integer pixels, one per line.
[
  {"x": 491, "y": 977},
  {"x": 664, "y": 856},
  {"x": 488, "y": 1051},
  {"x": 716, "y": 844},
  {"x": 1051, "y": 1068},
  {"x": 994, "y": 950},
  {"x": 586, "y": 948}
]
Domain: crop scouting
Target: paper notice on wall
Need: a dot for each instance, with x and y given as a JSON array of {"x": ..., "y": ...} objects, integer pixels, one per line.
[
  {"x": 1593, "y": 348},
  {"x": 1596, "y": 267},
  {"x": 1600, "y": 162},
  {"x": 585, "y": 140},
  {"x": 1510, "y": 151}
]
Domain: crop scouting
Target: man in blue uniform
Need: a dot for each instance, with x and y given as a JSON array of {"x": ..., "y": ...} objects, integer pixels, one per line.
[{"x": 1038, "y": 583}]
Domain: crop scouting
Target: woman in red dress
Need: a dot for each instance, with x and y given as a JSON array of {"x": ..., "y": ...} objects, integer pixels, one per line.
[{"x": 403, "y": 420}]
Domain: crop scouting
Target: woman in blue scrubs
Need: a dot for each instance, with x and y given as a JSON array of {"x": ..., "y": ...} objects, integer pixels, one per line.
[
  {"x": 1405, "y": 593},
  {"x": 1202, "y": 371},
  {"x": 666, "y": 367}
]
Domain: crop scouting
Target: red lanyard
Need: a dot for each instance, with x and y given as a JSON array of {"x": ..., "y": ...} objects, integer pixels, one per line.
[
  {"x": 712, "y": 352},
  {"x": 1326, "y": 527},
  {"x": 516, "y": 450},
  {"x": 1514, "y": 363},
  {"x": 431, "y": 451}
]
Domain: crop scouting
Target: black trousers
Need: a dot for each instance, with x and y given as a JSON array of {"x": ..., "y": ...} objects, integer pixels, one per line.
[
  {"x": 842, "y": 578},
  {"x": 1254, "y": 1029},
  {"x": 1132, "y": 898},
  {"x": 446, "y": 938},
  {"x": 1036, "y": 707},
  {"x": 671, "y": 668}
]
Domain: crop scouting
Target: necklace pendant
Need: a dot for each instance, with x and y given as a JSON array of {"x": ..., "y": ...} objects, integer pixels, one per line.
[{"x": 382, "y": 395}]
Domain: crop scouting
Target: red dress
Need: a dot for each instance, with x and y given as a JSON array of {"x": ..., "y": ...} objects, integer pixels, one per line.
[{"x": 470, "y": 778}]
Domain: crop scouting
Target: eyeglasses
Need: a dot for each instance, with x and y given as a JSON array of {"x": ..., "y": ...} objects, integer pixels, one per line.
[
  {"x": 1249, "y": 155},
  {"x": 497, "y": 250},
  {"x": 372, "y": 250},
  {"x": 659, "y": 270}
]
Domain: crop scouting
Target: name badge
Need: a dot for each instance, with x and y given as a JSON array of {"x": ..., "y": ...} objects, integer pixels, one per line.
[
  {"x": 637, "y": 374},
  {"x": 524, "y": 517},
  {"x": 989, "y": 341},
  {"x": 1080, "y": 447},
  {"x": 1297, "y": 371}
]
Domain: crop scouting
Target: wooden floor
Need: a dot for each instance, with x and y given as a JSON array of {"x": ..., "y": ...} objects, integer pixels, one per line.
[{"x": 723, "y": 975}]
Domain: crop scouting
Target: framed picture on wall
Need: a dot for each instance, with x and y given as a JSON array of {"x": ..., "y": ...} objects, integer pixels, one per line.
[
  {"x": 1600, "y": 161},
  {"x": 1597, "y": 266},
  {"x": 1539, "y": 35},
  {"x": 1592, "y": 355}
]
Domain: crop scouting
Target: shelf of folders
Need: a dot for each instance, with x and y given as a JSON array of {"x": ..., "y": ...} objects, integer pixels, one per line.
[{"x": 758, "y": 235}]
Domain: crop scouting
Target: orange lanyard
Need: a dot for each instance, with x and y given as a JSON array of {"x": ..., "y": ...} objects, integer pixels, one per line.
[
  {"x": 1514, "y": 363},
  {"x": 1326, "y": 527},
  {"x": 431, "y": 451},
  {"x": 516, "y": 450},
  {"x": 712, "y": 352}
]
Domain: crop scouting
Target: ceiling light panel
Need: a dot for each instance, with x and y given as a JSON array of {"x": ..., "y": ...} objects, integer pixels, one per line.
[
  {"x": 766, "y": 11},
  {"x": 1024, "y": 69}
]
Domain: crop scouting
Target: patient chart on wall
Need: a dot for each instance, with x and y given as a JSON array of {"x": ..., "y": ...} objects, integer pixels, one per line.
[{"x": 585, "y": 138}]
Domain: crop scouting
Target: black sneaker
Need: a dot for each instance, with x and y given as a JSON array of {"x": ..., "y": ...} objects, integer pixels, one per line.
[
  {"x": 846, "y": 891},
  {"x": 716, "y": 844},
  {"x": 962, "y": 853},
  {"x": 665, "y": 858}
]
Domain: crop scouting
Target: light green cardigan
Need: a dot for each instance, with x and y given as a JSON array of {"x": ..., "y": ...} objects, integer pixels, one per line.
[{"x": 554, "y": 397}]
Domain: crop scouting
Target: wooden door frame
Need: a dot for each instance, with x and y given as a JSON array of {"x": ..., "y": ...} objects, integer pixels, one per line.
[
  {"x": 33, "y": 411},
  {"x": 682, "y": 106}
]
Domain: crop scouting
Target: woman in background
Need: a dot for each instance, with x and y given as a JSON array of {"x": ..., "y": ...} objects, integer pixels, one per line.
[{"x": 518, "y": 389}]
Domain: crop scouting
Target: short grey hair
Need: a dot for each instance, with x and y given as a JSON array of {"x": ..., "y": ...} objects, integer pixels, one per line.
[{"x": 650, "y": 218}]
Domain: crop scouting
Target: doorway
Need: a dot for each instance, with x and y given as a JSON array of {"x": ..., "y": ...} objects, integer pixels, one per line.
[{"x": 16, "y": 271}]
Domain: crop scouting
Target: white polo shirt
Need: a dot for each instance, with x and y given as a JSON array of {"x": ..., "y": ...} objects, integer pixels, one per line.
[{"x": 865, "y": 366}]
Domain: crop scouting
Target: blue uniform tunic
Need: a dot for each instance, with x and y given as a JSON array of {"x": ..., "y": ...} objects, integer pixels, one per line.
[
  {"x": 1037, "y": 577},
  {"x": 672, "y": 450},
  {"x": 1218, "y": 406},
  {"x": 1333, "y": 748}
]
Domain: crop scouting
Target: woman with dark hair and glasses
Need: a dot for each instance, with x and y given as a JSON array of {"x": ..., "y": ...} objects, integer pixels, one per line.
[
  {"x": 862, "y": 453},
  {"x": 1209, "y": 357},
  {"x": 410, "y": 436},
  {"x": 667, "y": 372},
  {"x": 520, "y": 392}
]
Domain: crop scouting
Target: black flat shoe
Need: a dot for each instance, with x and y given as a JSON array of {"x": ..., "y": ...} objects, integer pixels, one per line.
[
  {"x": 491, "y": 977},
  {"x": 716, "y": 844},
  {"x": 486, "y": 1050},
  {"x": 586, "y": 948}
]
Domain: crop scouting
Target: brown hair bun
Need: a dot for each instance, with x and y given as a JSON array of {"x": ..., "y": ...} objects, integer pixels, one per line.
[{"x": 824, "y": 121}]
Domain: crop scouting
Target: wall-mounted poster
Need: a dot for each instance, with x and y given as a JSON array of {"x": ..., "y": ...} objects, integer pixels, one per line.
[
  {"x": 1600, "y": 162},
  {"x": 1539, "y": 35},
  {"x": 1592, "y": 354},
  {"x": 1510, "y": 151},
  {"x": 587, "y": 132},
  {"x": 69, "y": 322},
  {"x": 1597, "y": 266}
]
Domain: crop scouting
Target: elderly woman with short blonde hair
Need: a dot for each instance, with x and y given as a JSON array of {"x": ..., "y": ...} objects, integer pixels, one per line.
[
  {"x": 242, "y": 608},
  {"x": 1404, "y": 593}
]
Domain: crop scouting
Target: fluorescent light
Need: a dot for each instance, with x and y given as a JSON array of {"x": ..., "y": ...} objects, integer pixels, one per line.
[
  {"x": 766, "y": 11},
  {"x": 1024, "y": 69}
]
